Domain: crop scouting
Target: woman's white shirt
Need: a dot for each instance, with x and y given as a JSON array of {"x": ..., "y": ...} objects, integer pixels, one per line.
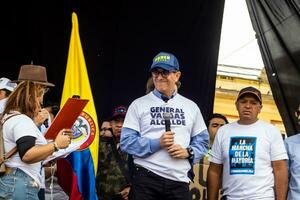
[{"x": 15, "y": 128}]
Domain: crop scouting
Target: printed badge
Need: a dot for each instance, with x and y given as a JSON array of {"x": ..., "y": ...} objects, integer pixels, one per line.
[{"x": 242, "y": 155}]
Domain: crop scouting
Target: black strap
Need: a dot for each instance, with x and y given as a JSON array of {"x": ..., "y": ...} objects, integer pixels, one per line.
[{"x": 119, "y": 160}]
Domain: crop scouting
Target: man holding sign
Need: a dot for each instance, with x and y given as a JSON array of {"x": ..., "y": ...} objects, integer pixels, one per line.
[{"x": 248, "y": 156}]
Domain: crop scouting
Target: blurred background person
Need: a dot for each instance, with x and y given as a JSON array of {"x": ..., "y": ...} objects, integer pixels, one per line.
[
  {"x": 113, "y": 177},
  {"x": 213, "y": 123},
  {"x": 105, "y": 130},
  {"x": 6, "y": 87},
  {"x": 47, "y": 115},
  {"x": 149, "y": 85},
  {"x": 42, "y": 118},
  {"x": 52, "y": 189}
]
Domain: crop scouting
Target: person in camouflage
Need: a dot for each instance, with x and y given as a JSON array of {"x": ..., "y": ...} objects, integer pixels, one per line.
[{"x": 112, "y": 179}]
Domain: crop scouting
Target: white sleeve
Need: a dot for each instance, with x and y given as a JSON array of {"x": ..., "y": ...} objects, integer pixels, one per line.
[
  {"x": 132, "y": 117},
  {"x": 199, "y": 124},
  {"x": 23, "y": 126},
  {"x": 216, "y": 150},
  {"x": 278, "y": 151}
]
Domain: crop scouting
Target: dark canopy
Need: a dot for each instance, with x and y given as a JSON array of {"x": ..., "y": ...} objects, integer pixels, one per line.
[
  {"x": 119, "y": 40},
  {"x": 277, "y": 24}
]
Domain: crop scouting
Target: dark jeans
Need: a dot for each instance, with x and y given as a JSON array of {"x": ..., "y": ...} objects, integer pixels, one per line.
[{"x": 148, "y": 186}]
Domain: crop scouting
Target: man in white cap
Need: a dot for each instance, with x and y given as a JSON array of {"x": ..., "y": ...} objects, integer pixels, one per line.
[{"x": 6, "y": 87}]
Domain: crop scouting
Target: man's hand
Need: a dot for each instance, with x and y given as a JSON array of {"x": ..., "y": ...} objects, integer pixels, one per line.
[
  {"x": 41, "y": 117},
  {"x": 124, "y": 193},
  {"x": 167, "y": 139},
  {"x": 176, "y": 151}
]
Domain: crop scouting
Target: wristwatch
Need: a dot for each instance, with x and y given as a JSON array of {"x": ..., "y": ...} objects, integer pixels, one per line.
[
  {"x": 190, "y": 152},
  {"x": 55, "y": 146}
]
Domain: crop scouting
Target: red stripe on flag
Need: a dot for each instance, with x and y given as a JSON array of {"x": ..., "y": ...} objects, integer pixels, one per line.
[{"x": 67, "y": 179}]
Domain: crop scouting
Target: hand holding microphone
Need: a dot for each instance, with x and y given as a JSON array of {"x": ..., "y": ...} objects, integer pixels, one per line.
[{"x": 167, "y": 138}]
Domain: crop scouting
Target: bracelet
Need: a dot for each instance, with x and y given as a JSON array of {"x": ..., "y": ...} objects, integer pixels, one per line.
[{"x": 55, "y": 146}]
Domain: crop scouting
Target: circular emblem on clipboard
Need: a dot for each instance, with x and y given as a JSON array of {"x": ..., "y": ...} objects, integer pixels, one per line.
[{"x": 84, "y": 131}]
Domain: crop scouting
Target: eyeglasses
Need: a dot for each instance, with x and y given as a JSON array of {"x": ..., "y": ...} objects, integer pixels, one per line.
[
  {"x": 216, "y": 125},
  {"x": 43, "y": 91},
  {"x": 163, "y": 73},
  {"x": 46, "y": 90}
]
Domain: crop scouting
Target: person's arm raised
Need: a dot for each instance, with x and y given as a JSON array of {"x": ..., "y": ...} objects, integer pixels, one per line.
[{"x": 41, "y": 152}]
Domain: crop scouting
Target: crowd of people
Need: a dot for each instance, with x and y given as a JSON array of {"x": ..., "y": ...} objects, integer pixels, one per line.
[
  {"x": 247, "y": 158},
  {"x": 147, "y": 149}
]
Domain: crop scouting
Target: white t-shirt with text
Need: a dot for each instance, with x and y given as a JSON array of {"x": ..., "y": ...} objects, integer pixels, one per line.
[
  {"x": 145, "y": 115},
  {"x": 246, "y": 152}
]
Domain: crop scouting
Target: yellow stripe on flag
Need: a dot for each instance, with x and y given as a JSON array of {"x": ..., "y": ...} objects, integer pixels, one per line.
[{"x": 77, "y": 83}]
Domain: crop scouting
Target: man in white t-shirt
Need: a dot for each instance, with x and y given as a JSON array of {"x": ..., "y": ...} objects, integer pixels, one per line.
[
  {"x": 163, "y": 157},
  {"x": 6, "y": 87},
  {"x": 248, "y": 156}
]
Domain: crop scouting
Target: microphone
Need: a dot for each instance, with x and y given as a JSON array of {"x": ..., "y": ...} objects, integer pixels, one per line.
[
  {"x": 167, "y": 117},
  {"x": 46, "y": 123}
]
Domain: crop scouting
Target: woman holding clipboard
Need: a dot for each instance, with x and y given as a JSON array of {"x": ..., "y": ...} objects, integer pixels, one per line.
[{"x": 22, "y": 178}]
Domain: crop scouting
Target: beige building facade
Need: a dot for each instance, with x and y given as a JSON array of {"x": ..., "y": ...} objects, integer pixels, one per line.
[{"x": 229, "y": 83}]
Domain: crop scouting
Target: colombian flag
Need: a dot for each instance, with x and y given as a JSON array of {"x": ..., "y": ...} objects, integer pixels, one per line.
[{"x": 76, "y": 173}]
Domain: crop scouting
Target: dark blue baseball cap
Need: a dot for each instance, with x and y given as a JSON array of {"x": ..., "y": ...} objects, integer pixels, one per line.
[{"x": 165, "y": 61}]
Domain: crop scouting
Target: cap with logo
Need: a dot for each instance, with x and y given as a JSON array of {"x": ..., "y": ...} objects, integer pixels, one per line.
[
  {"x": 5, "y": 83},
  {"x": 165, "y": 61},
  {"x": 250, "y": 90},
  {"x": 119, "y": 112}
]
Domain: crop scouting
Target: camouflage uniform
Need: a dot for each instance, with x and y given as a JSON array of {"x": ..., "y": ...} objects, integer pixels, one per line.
[{"x": 110, "y": 179}]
